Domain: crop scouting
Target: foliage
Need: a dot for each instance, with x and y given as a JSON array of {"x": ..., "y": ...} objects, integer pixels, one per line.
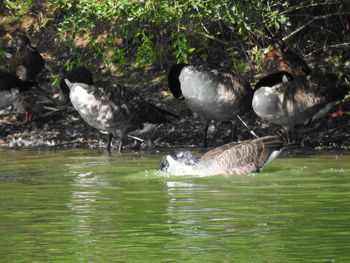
[
  {"x": 19, "y": 7},
  {"x": 181, "y": 28},
  {"x": 159, "y": 31}
]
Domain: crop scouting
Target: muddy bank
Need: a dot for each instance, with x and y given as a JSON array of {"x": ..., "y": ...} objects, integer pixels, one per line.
[{"x": 65, "y": 129}]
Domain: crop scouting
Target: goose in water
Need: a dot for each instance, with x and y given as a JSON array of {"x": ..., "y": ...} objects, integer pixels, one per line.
[
  {"x": 28, "y": 56},
  {"x": 295, "y": 102},
  {"x": 117, "y": 110},
  {"x": 276, "y": 57},
  {"x": 233, "y": 158},
  {"x": 217, "y": 94}
]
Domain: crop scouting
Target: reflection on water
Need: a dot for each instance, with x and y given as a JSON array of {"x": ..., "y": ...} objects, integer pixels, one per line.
[{"x": 71, "y": 206}]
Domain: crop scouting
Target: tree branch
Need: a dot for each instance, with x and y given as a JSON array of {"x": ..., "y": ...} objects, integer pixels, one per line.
[
  {"x": 294, "y": 8},
  {"x": 342, "y": 45},
  {"x": 311, "y": 21},
  {"x": 208, "y": 36}
]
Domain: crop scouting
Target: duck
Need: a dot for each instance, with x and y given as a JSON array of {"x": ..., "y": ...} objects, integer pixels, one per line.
[
  {"x": 244, "y": 157},
  {"x": 117, "y": 110},
  {"x": 11, "y": 86},
  {"x": 28, "y": 56},
  {"x": 296, "y": 102},
  {"x": 276, "y": 57},
  {"x": 215, "y": 94},
  {"x": 78, "y": 74}
]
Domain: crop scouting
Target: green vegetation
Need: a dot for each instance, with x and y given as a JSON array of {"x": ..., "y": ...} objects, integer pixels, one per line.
[
  {"x": 159, "y": 32},
  {"x": 19, "y": 7}
]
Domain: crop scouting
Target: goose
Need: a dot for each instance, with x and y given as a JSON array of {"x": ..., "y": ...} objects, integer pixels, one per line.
[
  {"x": 295, "y": 102},
  {"x": 116, "y": 110},
  {"x": 217, "y": 94},
  {"x": 244, "y": 157},
  {"x": 78, "y": 74},
  {"x": 28, "y": 56},
  {"x": 20, "y": 92},
  {"x": 11, "y": 86},
  {"x": 274, "y": 79},
  {"x": 276, "y": 57}
]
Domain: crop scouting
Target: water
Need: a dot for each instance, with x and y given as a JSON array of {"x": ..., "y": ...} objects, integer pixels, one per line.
[{"x": 87, "y": 206}]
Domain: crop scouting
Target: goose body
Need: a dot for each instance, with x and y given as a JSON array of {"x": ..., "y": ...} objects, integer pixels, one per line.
[
  {"x": 28, "y": 56},
  {"x": 294, "y": 102},
  {"x": 276, "y": 57},
  {"x": 11, "y": 86},
  {"x": 217, "y": 94},
  {"x": 274, "y": 79},
  {"x": 8, "y": 96},
  {"x": 233, "y": 158},
  {"x": 117, "y": 110}
]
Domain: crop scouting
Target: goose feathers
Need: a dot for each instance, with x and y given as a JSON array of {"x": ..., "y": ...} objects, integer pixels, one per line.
[
  {"x": 232, "y": 158},
  {"x": 213, "y": 93},
  {"x": 115, "y": 109},
  {"x": 294, "y": 102},
  {"x": 11, "y": 86}
]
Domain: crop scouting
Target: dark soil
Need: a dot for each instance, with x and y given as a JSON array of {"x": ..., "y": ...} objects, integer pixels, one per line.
[{"x": 65, "y": 128}]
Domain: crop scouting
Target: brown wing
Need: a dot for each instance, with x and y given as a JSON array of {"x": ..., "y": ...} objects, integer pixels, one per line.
[
  {"x": 127, "y": 110},
  {"x": 245, "y": 157},
  {"x": 303, "y": 93}
]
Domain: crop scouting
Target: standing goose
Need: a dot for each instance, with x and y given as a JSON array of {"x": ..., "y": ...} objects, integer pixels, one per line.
[
  {"x": 278, "y": 58},
  {"x": 214, "y": 94},
  {"x": 11, "y": 86},
  {"x": 299, "y": 101},
  {"x": 28, "y": 56},
  {"x": 233, "y": 158},
  {"x": 116, "y": 109}
]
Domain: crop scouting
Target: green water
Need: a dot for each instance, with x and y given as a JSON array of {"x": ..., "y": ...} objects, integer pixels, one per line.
[{"x": 87, "y": 206}]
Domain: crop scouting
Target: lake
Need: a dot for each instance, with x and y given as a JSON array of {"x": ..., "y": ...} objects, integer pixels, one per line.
[{"x": 87, "y": 206}]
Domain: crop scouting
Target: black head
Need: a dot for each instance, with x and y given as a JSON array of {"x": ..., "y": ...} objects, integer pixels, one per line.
[
  {"x": 273, "y": 79},
  {"x": 174, "y": 82},
  {"x": 79, "y": 74}
]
